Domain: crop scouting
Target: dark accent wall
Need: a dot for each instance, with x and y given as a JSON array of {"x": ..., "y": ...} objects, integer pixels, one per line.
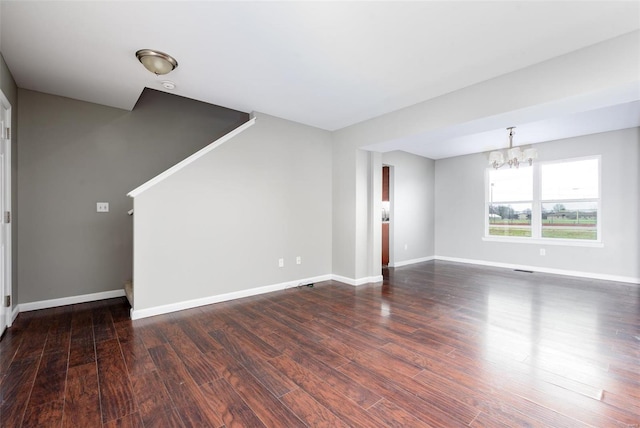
[{"x": 73, "y": 154}]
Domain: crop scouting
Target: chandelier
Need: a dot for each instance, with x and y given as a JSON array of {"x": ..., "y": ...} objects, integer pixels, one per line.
[{"x": 515, "y": 155}]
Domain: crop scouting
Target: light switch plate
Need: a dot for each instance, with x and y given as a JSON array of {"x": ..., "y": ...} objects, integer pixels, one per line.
[{"x": 102, "y": 207}]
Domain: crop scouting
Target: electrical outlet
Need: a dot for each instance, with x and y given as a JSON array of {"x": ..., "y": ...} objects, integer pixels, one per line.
[
  {"x": 102, "y": 207},
  {"x": 406, "y": 247},
  {"x": 280, "y": 262},
  {"x": 298, "y": 260},
  {"x": 543, "y": 252}
]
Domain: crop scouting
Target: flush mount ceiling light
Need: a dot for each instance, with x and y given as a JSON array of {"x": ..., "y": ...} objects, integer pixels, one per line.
[
  {"x": 515, "y": 155},
  {"x": 156, "y": 62}
]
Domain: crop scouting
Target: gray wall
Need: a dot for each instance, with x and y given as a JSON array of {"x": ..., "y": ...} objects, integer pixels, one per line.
[
  {"x": 73, "y": 154},
  {"x": 344, "y": 209},
  {"x": 412, "y": 195},
  {"x": 10, "y": 90},
  {"x": 354, "y": 221},
  {"x": 219, "y": 225},
  {"x": 459, "y": 196}
]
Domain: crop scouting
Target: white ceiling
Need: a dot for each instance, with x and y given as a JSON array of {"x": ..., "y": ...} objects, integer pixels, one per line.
[{"x": 325, "y": 64}]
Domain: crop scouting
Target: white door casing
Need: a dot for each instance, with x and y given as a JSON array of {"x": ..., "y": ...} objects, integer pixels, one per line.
[{"x": 5, "y": 207}]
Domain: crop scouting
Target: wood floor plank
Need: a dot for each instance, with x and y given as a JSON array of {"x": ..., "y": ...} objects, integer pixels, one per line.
[
  {"x": 82, "y": 398},
  {"x": 151, "y": 396},
  {"x": 395, "y": 416},
  {"x": 49, "y": 384},
  {"x": 567, "y": 403},
  {"x": 59, "y": 334},
  {"x": 82, "y": 346},
  {"x": 401, "y": 397},
  {"x": 232, "y": 408},
  {"x": 265, "y": 405},
  {"x": 246, "y": 341},
  {"x": 19, "y": 378},
  {"x": 198, "y": 336},
  {"x": 136, "y": 357},
  {"x": 9, "y": 344},
  {"x": 167, "y": 417},
  {"x": 34, "y": 346},
  {"x": 343, "y": 407},
  {"x": 181, "y": 343},
  {"x": 47, "y": 415},
  {"x": 130, "y": 421},
  {"x": 103, "y": 327},
  {"x": 341, "y": 328},
  {"x": 47, "y": 387},
  {"x": 190, "y": 403},
  {"x": 150, "y": 333},
  {"x": 116, "y": 397},
  {"x": 200, "y": 367},
  {"x": 277, "y": 383},
  {"x": 310, "y": 411},
  {"x": 15, "y": 390},
  {"x": 321, "y": 352},
  {"x": 336, "y": 379}
]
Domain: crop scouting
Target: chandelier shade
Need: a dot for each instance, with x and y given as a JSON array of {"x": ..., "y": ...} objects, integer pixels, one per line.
[
  {"x": 496, "y": 159},
  {"x": 514, "y": 155}
]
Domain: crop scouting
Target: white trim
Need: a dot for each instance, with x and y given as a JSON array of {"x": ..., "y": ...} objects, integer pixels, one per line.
[
  {"x": 7, "y": 171},
  {"x": 194, "y": 303},
  {"x": 579, "y": 274},
  {"x": 358, "y": 281},
  {"x": 14, "y": 314},
  {"x": 71, "y": 300},
  {"x": 412, "y": 261},
  {"x": 545, "y": 241},
  {"x": 197, "y": 155}
]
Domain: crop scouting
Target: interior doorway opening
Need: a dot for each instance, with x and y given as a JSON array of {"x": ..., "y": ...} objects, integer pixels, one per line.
[{"x": 386, "y": 214}]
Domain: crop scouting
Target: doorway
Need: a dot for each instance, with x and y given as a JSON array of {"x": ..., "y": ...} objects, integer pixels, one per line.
[
  {"x": 5, "y": 212},
  {"x": 386, "y": 215}
]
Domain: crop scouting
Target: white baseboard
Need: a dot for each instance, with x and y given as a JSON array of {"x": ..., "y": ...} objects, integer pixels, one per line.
[
  {"x": 357, "y": 282},
  {"x": 44, "y": 304},
  {"x": 194, "y": 303},
  {"x": 14, "y": 314},
  {"x": 580, "y": 274},
  {"x": 412, "y": 261}
]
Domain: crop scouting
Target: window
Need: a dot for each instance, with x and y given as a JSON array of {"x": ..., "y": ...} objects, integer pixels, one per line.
[
  {"x": 551, "y": 201},
  {"x": 510, "y": 202}
]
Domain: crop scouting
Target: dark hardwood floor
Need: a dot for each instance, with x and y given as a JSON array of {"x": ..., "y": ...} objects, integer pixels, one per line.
[{"x": 438, "y": 344}]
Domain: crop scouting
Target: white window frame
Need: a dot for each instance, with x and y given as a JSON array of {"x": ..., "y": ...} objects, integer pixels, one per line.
[{"x": 536, "y": 210}]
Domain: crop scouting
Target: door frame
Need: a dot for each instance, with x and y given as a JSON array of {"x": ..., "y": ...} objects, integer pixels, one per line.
[
  {"x": 392, "y": 216},
  {"x": 5, "y": 117}
]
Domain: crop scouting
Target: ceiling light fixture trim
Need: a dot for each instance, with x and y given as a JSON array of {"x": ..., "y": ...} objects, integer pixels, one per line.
[
  {"x": 168, "y": 84},
  {"x": 157, "y": 62}
]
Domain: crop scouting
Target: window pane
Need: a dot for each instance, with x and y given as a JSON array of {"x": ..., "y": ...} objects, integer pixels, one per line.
[
  {"x": 510, "y": 220},
  {"x": 570, "y": 180},
  {"x": 570, "y": 220},
  {"x": 513, "y": 184}
]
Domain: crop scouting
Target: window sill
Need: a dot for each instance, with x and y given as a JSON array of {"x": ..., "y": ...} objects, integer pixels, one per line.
[{"x": 545, "y": 241}]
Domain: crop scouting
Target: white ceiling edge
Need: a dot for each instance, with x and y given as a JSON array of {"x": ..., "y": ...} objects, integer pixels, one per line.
[{"x": 612, "y": 109}]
